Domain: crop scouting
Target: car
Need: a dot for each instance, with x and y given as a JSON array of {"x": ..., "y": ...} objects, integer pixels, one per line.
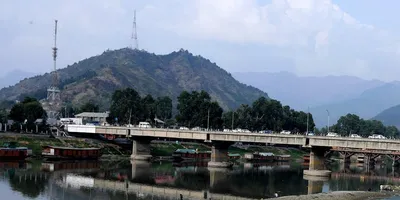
[
  {"x": 310, "y": 134},
  {"x": 377, "y": 136},
  {"x": 285, "y": 132},
  {"x": 332, "y": 134},
  {"x": 144, "y": 125},
  {"x": 183, "y": 128},
  {"x": 355, "y": 136}
]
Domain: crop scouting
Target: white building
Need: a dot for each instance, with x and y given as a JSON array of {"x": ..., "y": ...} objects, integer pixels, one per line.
[{"x": 91, "y": 117}]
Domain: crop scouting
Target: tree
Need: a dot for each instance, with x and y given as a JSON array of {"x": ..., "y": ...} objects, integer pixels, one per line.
[
  {"x": 29, "y": 109},
  {"x": 89, "y": 107},
  {"x": 348, "y": 124},
  {"x": 268, "y": 114},
  {"x": 125, "y": 106},
  {"x": 148, "y": 108},
  {"x": 3, "y": 116},
  {"x": 164, "y": 108},
  {"x": 196, "y": 108}
]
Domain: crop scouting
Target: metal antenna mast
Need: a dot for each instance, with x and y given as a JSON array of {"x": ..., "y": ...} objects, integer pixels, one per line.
[
  {"x": 55, "y": 77},
  {"x": 53, "y": 93},
  {"x": 134, "y": 32}
]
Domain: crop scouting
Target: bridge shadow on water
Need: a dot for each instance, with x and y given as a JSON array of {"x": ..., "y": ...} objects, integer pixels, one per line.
[{"x": 166, "y": 180}]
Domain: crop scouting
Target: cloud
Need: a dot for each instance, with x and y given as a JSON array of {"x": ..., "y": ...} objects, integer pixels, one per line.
[{"x": 308, "y": 37}]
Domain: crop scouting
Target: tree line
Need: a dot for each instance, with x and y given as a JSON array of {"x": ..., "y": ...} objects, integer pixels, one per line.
[
  {"x": 197, "y": 109},
  {"x": 353, "y": 124}
]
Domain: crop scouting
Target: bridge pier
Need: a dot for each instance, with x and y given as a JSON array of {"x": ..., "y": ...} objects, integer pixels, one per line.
[
  {"x": 219, "y": 155},
  {"x": 315, "y": 184},
  {"x": 141, "y": 149},
  {"x": 317, "y": 165}
]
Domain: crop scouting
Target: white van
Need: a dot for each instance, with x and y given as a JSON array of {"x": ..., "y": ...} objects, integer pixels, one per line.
[
  {"x": 332, "y": 134},
  {"x": 144, "y": 125}
]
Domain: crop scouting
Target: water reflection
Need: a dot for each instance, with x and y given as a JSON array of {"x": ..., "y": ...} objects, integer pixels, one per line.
[{"x": 164, "y": 180}]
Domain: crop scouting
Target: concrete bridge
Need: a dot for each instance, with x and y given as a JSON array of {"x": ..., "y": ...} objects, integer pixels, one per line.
[{"x": 220, "y": 141}]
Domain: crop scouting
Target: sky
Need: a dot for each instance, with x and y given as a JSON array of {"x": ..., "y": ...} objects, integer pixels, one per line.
[{"x": 307, "y": 37}]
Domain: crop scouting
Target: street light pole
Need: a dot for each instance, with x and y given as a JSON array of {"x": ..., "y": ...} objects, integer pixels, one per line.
[
  {"x": 233, "y": 118},
  {"x": 208, "y": 120},
  {"x": 328, "y": 119},
  {"x": 308, "y": 114}
]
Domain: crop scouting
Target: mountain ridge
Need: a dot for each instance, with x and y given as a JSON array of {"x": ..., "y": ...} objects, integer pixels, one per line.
[{"x": 95, "y": 78}]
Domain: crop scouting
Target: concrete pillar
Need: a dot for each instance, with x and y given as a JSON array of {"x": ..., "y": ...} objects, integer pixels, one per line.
[
  {"x": 141, "y": 149},
  {"x": 317, "y": 165},
  {"x": 217, "y": 176},
  {"x": 219, "y": 155},
  {"x": 140, "y": 168},
  {"x": 315, "y": 184}
]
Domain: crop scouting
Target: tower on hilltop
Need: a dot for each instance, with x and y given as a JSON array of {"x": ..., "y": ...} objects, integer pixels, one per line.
[{"x": 53, "y": 93}]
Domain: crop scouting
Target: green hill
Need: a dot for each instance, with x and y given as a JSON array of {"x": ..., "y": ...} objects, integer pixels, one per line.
[
  {"x": 390, "y": 116},
  {"x": 95, "y": 79}
]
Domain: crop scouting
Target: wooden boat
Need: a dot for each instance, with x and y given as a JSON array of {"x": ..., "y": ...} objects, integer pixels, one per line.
[
  {"x": 282, "y": 158},
  {"x": 190, "y": 154},
  {"x": 10, "y": 151},
  {"x": 259, "y": 157},
  {"x": 70, "y": 153}
]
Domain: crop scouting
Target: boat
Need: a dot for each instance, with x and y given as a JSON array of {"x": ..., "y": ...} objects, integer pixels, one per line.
[
  {"x": 70, "y": 153},
  {"x": 190, "y": 154},
  {"x": 234, "y": 156},
  {"x": 282, "y": 158},
  {"x": 10, "y": 151},
  {"x": 260, "y": 156}
]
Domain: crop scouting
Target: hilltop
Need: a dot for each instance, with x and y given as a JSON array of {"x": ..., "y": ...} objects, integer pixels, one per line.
[
  {"x": 390, "y": 116},
  {"x": 95, "y": 78}
]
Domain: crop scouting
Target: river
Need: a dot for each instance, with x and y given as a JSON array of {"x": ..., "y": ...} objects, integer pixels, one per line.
[{"x": 124, "y": 180}]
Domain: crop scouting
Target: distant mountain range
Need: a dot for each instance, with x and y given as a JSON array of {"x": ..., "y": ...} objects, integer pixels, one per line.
[
  {"x": 390, "y": 116},
  {"x": 96, "y": 78},
  {"x": 337, "y": 94},
  {"x": 13, "y": 77}
]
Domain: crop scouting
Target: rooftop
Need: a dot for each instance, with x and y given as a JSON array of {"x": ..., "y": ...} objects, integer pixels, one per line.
[{"x": 93, "y": 114}]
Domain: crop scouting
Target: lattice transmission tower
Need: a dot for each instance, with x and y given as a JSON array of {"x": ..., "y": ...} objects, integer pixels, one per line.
[
  {"x": 134, "y": 38},
  {"x": 53, "y": 93}
]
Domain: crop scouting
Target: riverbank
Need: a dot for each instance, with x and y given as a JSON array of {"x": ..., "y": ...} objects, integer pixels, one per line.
[
  {"x": 109, "y": 150},
  {"x": 340, "y": 195}
]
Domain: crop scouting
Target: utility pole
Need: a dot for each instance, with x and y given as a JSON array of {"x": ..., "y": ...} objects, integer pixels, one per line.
[
  {"x": 208, "y": 120},
  {"x": 308, "y": 114},
  {"x": 328, "y": 119},
  {"x": 233, "y": 119},
  {"x": 130, "y": 115}
]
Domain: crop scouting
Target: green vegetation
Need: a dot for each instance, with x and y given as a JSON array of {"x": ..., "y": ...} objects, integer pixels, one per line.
[
  {"x": 96, "y": 78},
  {"x": 197, "y": 109},
  {"x": 353, "y": 124},
  {"x": 26, "y": 113},
  {"x": 266, "y": 114},
  {"x": 128, "y": 107}
]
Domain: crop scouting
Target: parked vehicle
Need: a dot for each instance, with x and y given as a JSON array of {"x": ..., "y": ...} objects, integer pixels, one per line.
[
  {"x": 285, "y": 132},
  {"x": 310, "y": 134},
  {"x": 377, "y": 136},
  {"x": 183, "y": 128},
  {"x": 265, "y": 131},
  {"x": 144, "y": 125},
  {"x": 355, "y": 136},
  {"x": 332, "y": 134}
]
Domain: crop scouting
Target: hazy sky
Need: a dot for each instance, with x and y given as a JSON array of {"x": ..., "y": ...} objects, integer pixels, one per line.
[{"x": 307, "y": 37}]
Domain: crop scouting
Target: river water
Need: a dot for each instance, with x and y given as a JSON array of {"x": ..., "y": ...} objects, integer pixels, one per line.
[{"x": 125, "y": 180}]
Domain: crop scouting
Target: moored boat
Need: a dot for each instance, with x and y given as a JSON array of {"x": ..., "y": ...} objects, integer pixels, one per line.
[
  {"x": 10, "y": 151},
  {"x": 70, "y": 153},
  {"x": 260, "y": 157},
  {"x": 190, "y": 154},
  {"x": 282, "y": 158}
]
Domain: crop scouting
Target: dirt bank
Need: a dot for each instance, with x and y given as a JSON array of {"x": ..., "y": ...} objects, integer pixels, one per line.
[{"x": 345, "y": 195}]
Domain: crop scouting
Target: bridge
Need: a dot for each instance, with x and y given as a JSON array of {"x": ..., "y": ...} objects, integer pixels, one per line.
[{"x": 220, "y": 141}]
